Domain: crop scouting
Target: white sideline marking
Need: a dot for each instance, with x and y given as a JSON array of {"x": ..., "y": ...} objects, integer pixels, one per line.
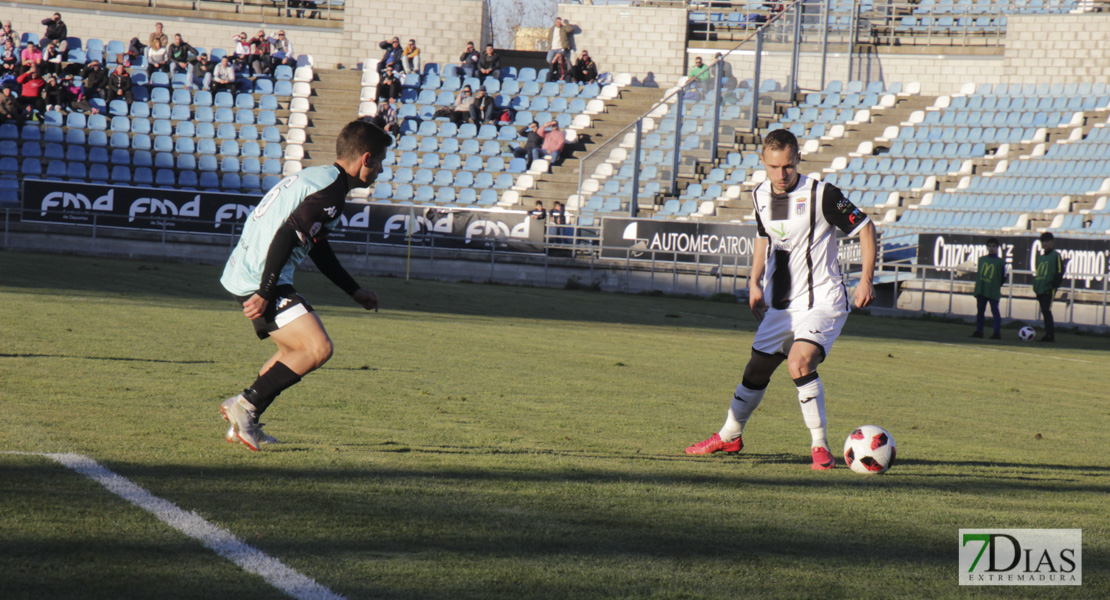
[{"x": 219, "y": 540}]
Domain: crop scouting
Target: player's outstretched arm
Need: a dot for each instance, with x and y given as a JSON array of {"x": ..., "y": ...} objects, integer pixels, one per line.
[
  {"x": 366, "y": 299},
  {"x": 755, "y": 278},
  {"x": 865, "y": 291},
  {"x": 328, "y": 263}
]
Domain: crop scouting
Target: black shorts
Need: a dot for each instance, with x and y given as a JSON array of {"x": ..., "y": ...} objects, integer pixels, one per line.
[{"x": 286, "y": 306}]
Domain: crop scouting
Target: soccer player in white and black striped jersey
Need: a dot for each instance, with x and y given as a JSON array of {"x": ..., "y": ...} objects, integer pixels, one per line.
[{"x": 796, "y": 291}]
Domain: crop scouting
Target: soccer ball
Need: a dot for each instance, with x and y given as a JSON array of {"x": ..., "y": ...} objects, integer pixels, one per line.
[
  {"x": 1027, "y": 334},
  {"x": 869, "y": 450}
]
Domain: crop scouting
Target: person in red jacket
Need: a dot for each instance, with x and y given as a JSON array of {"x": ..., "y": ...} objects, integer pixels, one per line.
[{"x": 30, "y": 95}]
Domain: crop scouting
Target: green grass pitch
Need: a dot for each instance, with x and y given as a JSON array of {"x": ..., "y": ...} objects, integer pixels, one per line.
[{"x": 475, "y": 441}]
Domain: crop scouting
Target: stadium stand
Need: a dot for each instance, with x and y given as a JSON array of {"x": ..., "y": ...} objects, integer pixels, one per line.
[
  {"x": 457, "y": 165},
  {"x": 152, "y": 140}
]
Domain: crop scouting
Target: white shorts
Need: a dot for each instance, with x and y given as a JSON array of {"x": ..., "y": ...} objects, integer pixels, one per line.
[{"x": 781, "y": 328}]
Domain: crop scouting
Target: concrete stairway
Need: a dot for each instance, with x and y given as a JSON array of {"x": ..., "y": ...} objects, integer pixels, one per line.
[
  {"x": 632, "y": 103},
  {"x": 829, "y": 150},
  {"x": 333, "y": 104}
]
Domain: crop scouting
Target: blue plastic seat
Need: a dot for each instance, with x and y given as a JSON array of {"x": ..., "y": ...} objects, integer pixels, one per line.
[
  {"x": 76, "y": 171},
  {"x": 205, "y": 130},
  {"x": 266, "y": 118},
  {"x": 250, "y": 148},
  {"x": 229, "y": 148},
  {"x": 159, "y": 95},
  {"x": 76, "y": 154},
  {"x": 121, "y": 174},
  {"x": 98, "y": 173}
]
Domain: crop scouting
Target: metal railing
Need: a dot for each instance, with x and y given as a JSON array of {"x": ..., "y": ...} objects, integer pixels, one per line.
[
  {"x": 937, "y": 288},
  {"x": 327, "y": 10},
  {"x": 735, "y": 105}
]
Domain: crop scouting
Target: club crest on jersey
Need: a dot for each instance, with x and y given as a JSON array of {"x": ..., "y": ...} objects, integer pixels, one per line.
[
  {"x": 844, "y": 206},
  {"x": 800, "y": 208}
]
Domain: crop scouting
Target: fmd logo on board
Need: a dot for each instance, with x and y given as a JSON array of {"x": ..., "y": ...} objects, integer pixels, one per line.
[{"x": 1021, "y": 557}]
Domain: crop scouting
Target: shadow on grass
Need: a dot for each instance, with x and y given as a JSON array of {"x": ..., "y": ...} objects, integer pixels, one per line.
[
  {"x": 48, "y": 273},
  {"x": 111, "y": 358},
  {"x": 458, "y": 532}
]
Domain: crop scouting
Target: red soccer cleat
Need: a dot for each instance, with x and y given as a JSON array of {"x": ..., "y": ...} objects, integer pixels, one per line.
[
  {"x": 822, "y": 459},
  {"x": 716, "y": 444}
]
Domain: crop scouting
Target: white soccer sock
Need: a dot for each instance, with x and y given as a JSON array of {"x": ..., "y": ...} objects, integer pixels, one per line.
[
  {"x": 811, "y": 397},
  {"x": 743, "y": 404}
]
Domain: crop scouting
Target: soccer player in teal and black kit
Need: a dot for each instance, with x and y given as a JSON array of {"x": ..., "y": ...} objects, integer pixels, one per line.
[{"x": 291, "y": 222}]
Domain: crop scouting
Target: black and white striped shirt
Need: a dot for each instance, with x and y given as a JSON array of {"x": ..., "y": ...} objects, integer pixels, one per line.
[{"x": 802, "y": 270}]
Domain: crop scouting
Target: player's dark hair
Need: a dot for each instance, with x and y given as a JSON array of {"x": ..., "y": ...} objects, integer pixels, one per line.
[
  {"x": 780, "y": 139},
  {"x": 1047, "y": 237},
  {"x": 359, "y": 137}
]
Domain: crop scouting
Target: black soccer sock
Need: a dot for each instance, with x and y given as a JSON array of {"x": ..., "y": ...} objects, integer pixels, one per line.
[{"x": 269, "y": 385}]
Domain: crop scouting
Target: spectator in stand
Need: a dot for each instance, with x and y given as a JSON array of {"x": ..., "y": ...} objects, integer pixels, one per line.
[
  {"x": 410, "y": 58},
  {"x": 135, "y": 49},
  {"x": 157, "y": 57},
  {"x": 52, "y": 93},
  {"x": 51, "y": 58},
  {"x": 223, "y": 76},
  {"x": 158, "y": 35},
  {"x": 72, "y": 98},
  {"x": 243, "y": 54},
  {"x": 95, "y": 80},
  {"x": 463, "y": 101},
  {"x": 282, "y": 52},
  {"x": 31, "y": 57},
  {"x": 7, "y": 33},
  {"x": 468, "y": 60},
  {"x": 532, "y": 141},
  {"x": 389, "y": 87},
  {"x": 700, "y": 74},
  {"x": 55, "y": 30},
  {"x": 558, "y": 216},
  {"x": 31, "y": 101},
  {"x": 539, "y": 213},
  {"x": 489, "y": 64},
  {"x": 202, "y": 72},
  {"x": 10, "y": 110},
  {"x": 481, "y": 110},
  {"x": 119, "y": 85},
  {"x": 261, "y": 51},
  {"x": 9, "y": 59},
  {"x": 585, "y": 69},
  {"x": 553, "y": 142},
  {"x": 393, "y": 55},
  {"x": 181, "y": 59},
  {"x": 562, "y": 40},
  {"x": 558, "y": 69},
  {"x": 728, "y": 80},
  {"x": 387, "y": 117}
]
